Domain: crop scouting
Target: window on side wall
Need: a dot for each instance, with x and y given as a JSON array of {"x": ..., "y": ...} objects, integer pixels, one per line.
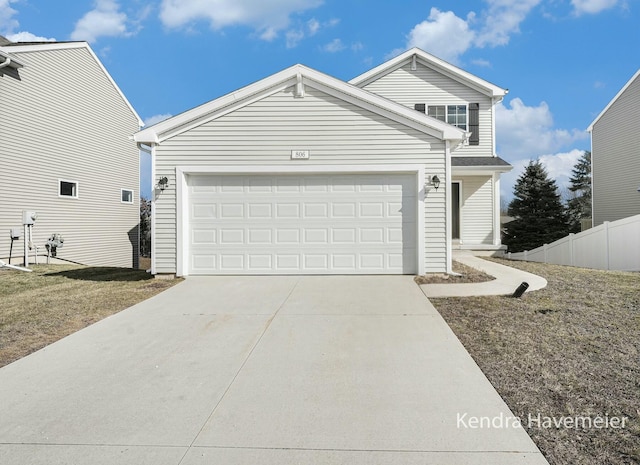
[
  {"x": 126, "y": 196},
  {"x": 455, "y": 115},
  {"x": 67, "y": 189}
]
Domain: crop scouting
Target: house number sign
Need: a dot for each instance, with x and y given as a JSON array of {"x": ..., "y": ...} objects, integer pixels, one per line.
[{"x": 299, "y": 154}]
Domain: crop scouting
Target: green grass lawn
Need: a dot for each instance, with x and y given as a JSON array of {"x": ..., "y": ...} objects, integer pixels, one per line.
[
  {"x": 56, "y": 300},
  {"x": 571, "y": 349}
]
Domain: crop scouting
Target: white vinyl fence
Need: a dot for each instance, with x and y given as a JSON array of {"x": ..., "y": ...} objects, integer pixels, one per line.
[{"x": 610, "y": 246}]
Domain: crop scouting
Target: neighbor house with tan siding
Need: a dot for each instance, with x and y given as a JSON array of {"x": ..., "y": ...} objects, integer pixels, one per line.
[
  {"x": 615, "y": 156},
  {"x": 303, "y": 173},
  {"x": 67, "y": 154}
]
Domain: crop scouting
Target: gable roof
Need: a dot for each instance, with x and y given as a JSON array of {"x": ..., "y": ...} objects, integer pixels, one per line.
[
  {"x": 20, "y": 47},
  {"x": 618, "y": 95},
  {"x": 300, "y": 76},
  {"x": 435, "y": 63}
]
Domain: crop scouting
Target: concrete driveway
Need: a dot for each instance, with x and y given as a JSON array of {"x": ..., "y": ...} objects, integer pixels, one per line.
[{"x": 269, "y": 370}]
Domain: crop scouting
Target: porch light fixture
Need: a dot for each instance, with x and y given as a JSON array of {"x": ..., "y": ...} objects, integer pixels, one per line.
[
  {"x": 435, "y": 180},
  {"x": 163, "y": 183}
]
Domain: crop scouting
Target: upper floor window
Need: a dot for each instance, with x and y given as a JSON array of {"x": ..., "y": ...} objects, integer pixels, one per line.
[
  {"x": 68, "y": 189},
  {"x": 465, "y": 117},
  {"x": 455, "y": 115}
]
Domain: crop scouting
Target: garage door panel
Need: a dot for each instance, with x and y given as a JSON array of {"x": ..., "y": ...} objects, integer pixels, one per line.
[{"x": 311, "y": 224}]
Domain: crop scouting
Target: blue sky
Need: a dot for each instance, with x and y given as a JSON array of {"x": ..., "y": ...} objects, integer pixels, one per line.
[{"x": 562, "y": 60}]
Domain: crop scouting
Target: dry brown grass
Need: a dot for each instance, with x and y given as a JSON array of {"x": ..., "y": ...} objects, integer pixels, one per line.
[
  {"x": 572, "y": 349},
  {"x": 466, "y": 275},
  {"x": 56, "y": 300}
]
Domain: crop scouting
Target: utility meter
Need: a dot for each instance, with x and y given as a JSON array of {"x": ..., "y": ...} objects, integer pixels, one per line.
[{"x": 29, "y": 217}]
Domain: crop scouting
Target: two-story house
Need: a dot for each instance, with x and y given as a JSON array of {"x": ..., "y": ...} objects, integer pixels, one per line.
[
  {"x": 303, "y": 173},
  {"x": 67, "y": 154},
  {"x": 615, "y": 156}
]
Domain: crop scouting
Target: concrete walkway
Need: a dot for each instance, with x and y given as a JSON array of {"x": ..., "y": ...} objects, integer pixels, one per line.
[
  {"x": 507, "y": 279},
  {"x": 268, "y": 370}
]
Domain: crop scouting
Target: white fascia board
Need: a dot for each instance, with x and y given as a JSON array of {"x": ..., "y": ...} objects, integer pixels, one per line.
[
  {"x": 52, "y": 46},
  {"x": 626, "y": 86},
  {"x": 436, "y": 63},
  {"x": 480, "y": 170},
  {"x": 288, "y": 77}
]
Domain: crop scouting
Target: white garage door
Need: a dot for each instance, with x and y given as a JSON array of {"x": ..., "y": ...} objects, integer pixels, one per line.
[{"x": 302, "y": 224}]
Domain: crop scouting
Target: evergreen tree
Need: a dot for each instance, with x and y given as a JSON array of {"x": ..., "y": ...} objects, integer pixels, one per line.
[
  {"x": 539, "y": 214},
  {"x": 145, "y": 227},
  {"x": 579, "y": 206}
]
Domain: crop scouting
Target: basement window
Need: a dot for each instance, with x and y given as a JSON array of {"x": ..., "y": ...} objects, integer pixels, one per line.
[
  {"x": 126, "y": 196},
  {"x": 68, "y": 189}
]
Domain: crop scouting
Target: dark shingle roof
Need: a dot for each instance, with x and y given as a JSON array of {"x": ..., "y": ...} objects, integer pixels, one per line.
[{"x": 478, "y": 161}]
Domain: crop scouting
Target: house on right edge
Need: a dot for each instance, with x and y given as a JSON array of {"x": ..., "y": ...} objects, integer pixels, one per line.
[
  {"x": 419, "y": 80},
  {"x": 615, "y": 156}
]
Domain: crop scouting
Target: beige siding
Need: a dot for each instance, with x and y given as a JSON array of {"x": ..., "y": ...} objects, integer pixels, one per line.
[
  {"x": 65, "y": 120},
  {"x": 476, "y": 210},
  {"x": 266, "y": 131},
  {"x": 616, "y": 158},
  {"x": 424, "y": 85}
]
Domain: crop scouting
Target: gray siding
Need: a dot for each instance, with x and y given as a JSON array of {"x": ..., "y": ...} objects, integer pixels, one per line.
[
  {"x": 266, "y": 131},
  {"x": 616, "y": 158},
  {"x": 65, "y": 120},
  {"x": 424, "y": 85},
  {"x": 476, "y": 210}
]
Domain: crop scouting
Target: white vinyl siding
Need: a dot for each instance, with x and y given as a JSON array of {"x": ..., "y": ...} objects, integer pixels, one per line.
[
  {"x": 265, "y": 132},
  {"x": 616, "y": 158},
  {"x": 476, "y": 210},
  {"x": 64, "y": 119},
  {"x": 426, "y": 86}
]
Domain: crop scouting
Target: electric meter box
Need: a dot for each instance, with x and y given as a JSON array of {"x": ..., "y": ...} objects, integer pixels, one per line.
[{"x": 29, "y": 217}]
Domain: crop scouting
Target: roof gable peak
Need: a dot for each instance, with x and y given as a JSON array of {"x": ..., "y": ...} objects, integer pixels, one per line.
[
  {"x": 416, "y": 55},
  {"x": 299, "y": 76}
]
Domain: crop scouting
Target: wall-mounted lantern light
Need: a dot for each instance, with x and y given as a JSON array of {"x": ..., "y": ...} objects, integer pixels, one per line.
[
  {"x": 435, "y": 180},
  {"x": 163, "y": 183}
]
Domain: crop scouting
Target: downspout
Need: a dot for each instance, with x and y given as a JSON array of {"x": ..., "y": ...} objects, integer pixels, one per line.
[
  {"x": 447, "y": 208},
  {"x": 6, "y": 62}
]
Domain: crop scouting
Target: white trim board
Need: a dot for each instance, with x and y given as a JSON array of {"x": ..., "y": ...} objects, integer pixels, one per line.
[{"x": 182, "y": 197}]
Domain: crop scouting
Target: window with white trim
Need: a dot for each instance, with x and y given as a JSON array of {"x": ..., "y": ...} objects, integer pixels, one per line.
[
  {"x": 126, "y": 195},
  {"x": 455, "y": 115},
  {"x": 465, "y": 117},
  {"x": 67, "y": 189}
]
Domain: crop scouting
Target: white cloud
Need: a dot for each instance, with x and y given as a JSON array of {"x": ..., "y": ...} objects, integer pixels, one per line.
[
  {"x": 524, "y": 131},
  {"x": 313, "y": 26},
  {"x": 481, "y": 62},
  {"x": 268, "y": 18},
  {"x": 558, "y": 166},
  {"x": 293, "y": 37},
  {"x": 105, "y": 19},
  {"x": 334, "y": 46},
  {"x": 527, "y": 133},
  {"x": 592, "y": 6},
  {"x": 503, "y": 19},
  {"x": 309, "y": 29},
  {"x": 24, "y": 36},
  {"x": 155, "y": 119},
  {"x": 443, "y": 34},
  {"x": 10, "y": 24}
]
